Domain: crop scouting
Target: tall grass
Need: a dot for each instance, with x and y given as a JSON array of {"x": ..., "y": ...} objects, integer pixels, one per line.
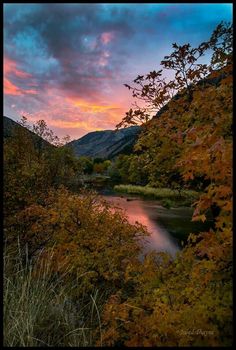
[
  {"x": 38, "y": 310},
  {"x": 158, "y": 193}
]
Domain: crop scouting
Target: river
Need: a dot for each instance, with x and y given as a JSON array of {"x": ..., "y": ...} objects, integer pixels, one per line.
[{"x": 167, "y": 227}]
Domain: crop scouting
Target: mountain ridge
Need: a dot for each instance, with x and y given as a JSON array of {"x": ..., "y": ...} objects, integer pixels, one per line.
[
  {"x": 9, "y": 125},
  {"x": 105, "y": 144}
]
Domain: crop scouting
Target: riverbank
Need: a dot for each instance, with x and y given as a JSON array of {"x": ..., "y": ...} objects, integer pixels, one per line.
[{"x": 169, "y": 198}]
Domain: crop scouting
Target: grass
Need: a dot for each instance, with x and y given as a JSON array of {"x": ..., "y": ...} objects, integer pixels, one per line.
[
  {"x": 38, "y": 310},
  {"x": 167, "y": 203},
  {"x": 174, "y": 197}
]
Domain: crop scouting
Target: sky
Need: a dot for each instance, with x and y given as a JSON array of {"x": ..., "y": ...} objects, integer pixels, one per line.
[{"x": 68, "y": 63}]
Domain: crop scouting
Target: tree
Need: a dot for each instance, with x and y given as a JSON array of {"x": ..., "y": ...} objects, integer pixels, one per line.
[
  {"x": 99, "y": 168},
  {"x": 183, "y": 61},
  {"x": 155, "y": 91},
  {"x": 181, "y": 299},
  {"x": 85, "y": 164},
  {"x": 31, "y": 167},
  {"x": 221, "y": 43}
]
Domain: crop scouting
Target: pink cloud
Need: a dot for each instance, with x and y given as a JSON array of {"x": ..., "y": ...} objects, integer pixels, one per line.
[
  {"x": 70, "y": 113},
  {"x": 9, "y": 69},
  {"x": 12, "y": 89},
  {"x": 103, "y": 60},
  {"x": 75, "y": 116},
  {"x": 106, "y": 37}
]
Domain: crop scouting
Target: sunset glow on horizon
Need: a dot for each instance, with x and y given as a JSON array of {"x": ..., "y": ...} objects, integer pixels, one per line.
[{"x": 68, "y": 63}]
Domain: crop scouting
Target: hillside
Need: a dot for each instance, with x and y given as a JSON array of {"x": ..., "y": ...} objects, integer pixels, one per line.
[
  {"x": 98, "y": 144},
  {"x": 213, "y": 79},
  {"x": 107, "y": 143},
  {"x": 10, "y": 125}
]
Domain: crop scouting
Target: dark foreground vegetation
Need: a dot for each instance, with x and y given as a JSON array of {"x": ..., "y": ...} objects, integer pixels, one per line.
[{"x": 72, "y": 272}]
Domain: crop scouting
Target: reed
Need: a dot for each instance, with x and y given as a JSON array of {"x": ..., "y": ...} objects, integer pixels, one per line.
[{"x": 38, "y": 310}]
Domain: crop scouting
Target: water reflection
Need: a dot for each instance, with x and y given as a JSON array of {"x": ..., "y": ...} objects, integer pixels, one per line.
[{"x": 145, "y": 212}]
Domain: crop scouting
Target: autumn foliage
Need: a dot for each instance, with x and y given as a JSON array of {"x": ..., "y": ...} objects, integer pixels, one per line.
[
  {"x": 188, "y": 142},
  {"x": 152, "y": 300}
]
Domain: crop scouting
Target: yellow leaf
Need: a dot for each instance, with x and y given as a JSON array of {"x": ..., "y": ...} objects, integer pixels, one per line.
[{"x": 199, "y": 217}]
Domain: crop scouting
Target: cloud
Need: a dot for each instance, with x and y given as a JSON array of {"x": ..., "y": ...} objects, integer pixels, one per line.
[
  {"x": 11, "y": 73},
  {"x": 10, "y": 67},
  {"x": 73, "y": 36},
  {"x": 60, "y": 55},
  {"x": 106, "y": 37}
]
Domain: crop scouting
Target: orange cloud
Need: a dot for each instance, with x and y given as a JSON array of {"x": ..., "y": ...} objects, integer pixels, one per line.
[
  {"x": 90, "y": 107},
  {"x": 61, "y": 122},
  {"x": 68, "y": 124},
  {"x": 10, "y": 88},
  {"x": 75, "y": 115}
]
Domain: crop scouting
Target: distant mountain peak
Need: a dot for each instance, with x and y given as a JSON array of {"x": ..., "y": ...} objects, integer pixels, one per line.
[{"x": 106, "y": 143}]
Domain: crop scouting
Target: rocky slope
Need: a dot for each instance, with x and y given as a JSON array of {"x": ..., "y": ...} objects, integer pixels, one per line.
[{"x": 106, "y": 144}]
